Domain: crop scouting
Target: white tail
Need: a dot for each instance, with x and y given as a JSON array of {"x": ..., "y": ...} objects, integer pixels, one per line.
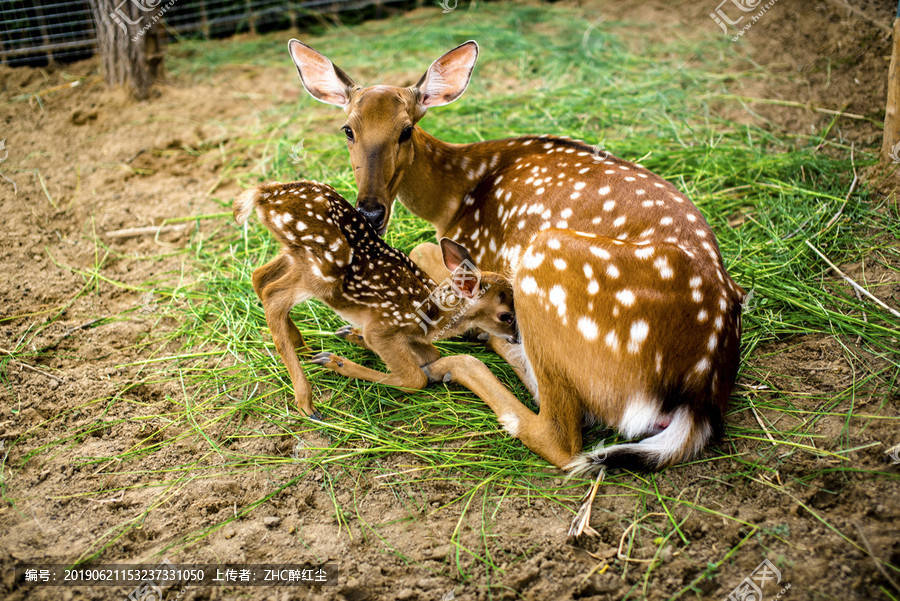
[
  {"x": 331, "y": 253},
  {"x": 624, "y": 306}
]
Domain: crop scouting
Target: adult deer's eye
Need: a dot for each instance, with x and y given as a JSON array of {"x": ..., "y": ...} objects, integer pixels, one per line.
[
  {"x": 348, "y": 132},
  {"x": 506, "y": 317},
  {"x": 406, "y": 134}
]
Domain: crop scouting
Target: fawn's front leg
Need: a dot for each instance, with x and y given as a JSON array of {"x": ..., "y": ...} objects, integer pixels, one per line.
[
  {"x": 400, "y": 357},
  {"x": 352, "y": 335}
]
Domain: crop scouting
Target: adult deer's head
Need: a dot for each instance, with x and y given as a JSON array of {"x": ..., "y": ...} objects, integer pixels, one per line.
[{"x": 381, "y": 119}]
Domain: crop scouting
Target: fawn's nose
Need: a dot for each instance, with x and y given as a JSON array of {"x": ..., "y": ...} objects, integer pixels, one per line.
[{"x": 374, "y": 212}]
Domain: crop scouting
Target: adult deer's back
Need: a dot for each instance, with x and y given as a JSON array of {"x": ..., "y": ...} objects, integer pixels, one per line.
[{"x": 625, "y": 309}]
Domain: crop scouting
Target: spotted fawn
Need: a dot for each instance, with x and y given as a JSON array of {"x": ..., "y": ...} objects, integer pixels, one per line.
[{"x": 330, "y": 252}]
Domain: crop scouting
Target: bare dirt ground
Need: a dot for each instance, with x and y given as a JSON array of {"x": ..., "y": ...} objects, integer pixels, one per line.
[{"x": 87, "y": 160}]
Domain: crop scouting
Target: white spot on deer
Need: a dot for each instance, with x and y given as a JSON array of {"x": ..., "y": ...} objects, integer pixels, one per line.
[
  {"x": 522, "y": 224},
  {"x": 691, "y": 217},
  {"x": 647, "y": 204},
  {"x": 665, "y": 220},
  {"x": 532, "y": 260},
  {"x": 593, "y": 287},
  {"x": 600, "y": 253},
  {"x": 695, "y": 282},
  {"x": 658, "y": 361},
  {"x": 560, "y": 264},
  {"x": 553, "y": 243},
  {"x": 639, "y": 331},
  {"x": 702, "y": 315},
  {"x": 565, "y": 213},
  {"x": 578, "y": 185},
  {"x": 625, "y": 296},
  {"x": 575, "y": 196},
  {"x": 697, "y": 295},
  {"x": 662, "y": 265},
  {"x": 583, "y": 171},
  {"x": 624, "y": 168},
  {"x": 588, "y": 270},
  {"x": 611, "y": 340},
  {"x": 557, "y": 298},
  {"x": 603, "y": 191},
  {"x": 510, "y": 423},
  {"x": 596, "y": 220},
  {"x": 718, "y": 323},
  {"x": 612, "y": 271},
  {"x": 561, "y": 225},
  {"x": 640, "y": 191},
  {"x": 620, "y": 221},
  {"x": 609, "y": 205},
  {"x": 702, "y": 365},
  {"x": 588, "y": 328},
  {"x": 289, "y": 236},
  {"x": 644, "y": 252},
  {"x": 528, "y": 285},
  {"x": 546, "y": 214},
  {"x": 539, "y": 191},
  {"x": 629, "y": 179},
  {"x": 722, "y": 303},
  {"x": 711, "y": 345}
]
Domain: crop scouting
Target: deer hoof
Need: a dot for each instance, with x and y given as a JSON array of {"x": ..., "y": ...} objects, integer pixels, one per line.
[
  {"x": 447, "y": 377},
  {"x": 321, "y": 358},
  {"x": 316, "y": 416},
  {"x": 344, "y": 331}
]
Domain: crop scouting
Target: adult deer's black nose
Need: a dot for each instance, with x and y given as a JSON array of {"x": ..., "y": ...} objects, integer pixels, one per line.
[{"x": 374, "y": 212}]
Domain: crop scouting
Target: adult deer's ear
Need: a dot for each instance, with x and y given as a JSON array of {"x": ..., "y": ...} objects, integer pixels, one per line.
[
  {"x": 321, "y": 78},
  {"x": 448, "y": 76},
  {"x": 466, "y": 281}
]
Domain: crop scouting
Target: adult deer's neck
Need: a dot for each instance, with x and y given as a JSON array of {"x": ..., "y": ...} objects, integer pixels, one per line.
[{"x": 438, "y": 178}]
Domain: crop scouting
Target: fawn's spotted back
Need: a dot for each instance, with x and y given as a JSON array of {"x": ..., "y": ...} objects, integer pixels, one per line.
[{"x": 341, "y": 247}]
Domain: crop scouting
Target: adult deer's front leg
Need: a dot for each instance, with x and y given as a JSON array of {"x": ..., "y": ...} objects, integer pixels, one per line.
[
  {"x": 429, "y": 258},
  {"x": 546, "y": 434},
  {"x": 401, "y": 362}
]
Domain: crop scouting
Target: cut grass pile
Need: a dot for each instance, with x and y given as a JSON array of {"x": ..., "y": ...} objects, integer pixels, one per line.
[{"x": 767, "y": 195}]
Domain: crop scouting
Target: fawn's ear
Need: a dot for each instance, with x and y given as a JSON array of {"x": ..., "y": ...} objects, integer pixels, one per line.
[
  {"x": 466, "y": 280},
  {"x": 448, "y": 76},
  {"x": 321, "y": 78}
]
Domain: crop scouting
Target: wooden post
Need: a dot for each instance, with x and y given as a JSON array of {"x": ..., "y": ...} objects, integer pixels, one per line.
[
  {"x": 130, "y": 54},
  {"x": 892, "y": 110}
]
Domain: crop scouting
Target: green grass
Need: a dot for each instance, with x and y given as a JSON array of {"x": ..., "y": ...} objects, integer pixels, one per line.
[{"x": 542, "y": 70}]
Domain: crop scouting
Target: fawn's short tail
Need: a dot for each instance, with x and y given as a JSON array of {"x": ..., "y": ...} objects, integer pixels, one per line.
[
  {"x": 244, "y": 204},
  {"x": 685, "y": 435}
]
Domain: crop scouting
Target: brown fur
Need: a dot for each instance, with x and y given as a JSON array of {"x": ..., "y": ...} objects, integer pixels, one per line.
[{"x": 331, "y": 253}]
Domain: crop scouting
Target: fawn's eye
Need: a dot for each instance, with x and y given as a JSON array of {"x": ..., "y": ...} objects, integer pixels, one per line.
[
  {"x": 505, "y": 317},
  {"x": 348, "y": 132},
  {"x": 406, "y": 134}
]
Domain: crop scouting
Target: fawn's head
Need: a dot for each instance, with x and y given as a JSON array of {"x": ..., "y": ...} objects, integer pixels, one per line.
[
  {"x": 489, "y": 295},
  {"x": 381, "y": 119}
]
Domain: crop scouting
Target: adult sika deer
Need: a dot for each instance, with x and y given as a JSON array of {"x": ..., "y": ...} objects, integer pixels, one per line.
[
  {"x": 625, "y": 310},
  {"x": 331, "y": 253}
]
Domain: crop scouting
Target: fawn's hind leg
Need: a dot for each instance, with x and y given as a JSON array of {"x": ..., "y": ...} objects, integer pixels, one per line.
[
  {"x": 268, "y": 273},
  {"x": 278, "y": 296}
]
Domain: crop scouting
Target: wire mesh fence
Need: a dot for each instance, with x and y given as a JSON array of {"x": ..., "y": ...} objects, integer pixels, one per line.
[{"x": 37, "y": 33}]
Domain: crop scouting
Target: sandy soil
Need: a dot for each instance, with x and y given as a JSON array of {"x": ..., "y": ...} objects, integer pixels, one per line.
[{"x": 88, "y": 160}]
